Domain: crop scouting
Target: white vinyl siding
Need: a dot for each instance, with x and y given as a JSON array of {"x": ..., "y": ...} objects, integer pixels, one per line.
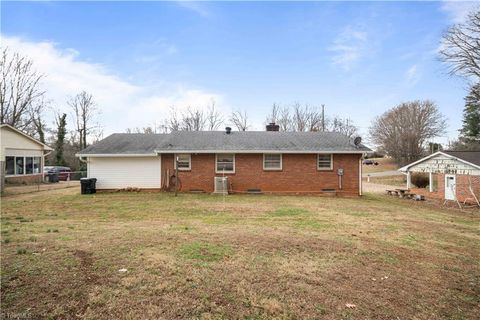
[
  {"x": 118, "y": 173},
  {"x": 272, "y": 161},
  {"x": 325, "y": 162}
]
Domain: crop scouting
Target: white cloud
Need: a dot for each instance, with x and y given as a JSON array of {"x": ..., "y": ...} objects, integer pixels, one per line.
[
  {"x": 459, "y": 10},
  {"x": 412, "y": 75},
  {"x": 349, "y": 47},
  {"x": 195, "y": 6},
  {"x": 122, "y": 104},
  {"x": 154, "y": 51}
]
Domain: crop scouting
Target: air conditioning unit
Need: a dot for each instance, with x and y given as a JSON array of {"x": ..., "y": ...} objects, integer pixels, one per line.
[{"x": 221, "y": 185}]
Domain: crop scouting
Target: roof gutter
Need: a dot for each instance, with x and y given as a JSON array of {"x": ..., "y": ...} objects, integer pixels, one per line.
[
  {"x": 114, "y": 155},
  {"x": 158, "y": 152},
  {"x": 263, "y": 151}
]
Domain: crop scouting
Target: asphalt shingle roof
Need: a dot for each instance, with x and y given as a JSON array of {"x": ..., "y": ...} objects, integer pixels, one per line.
[
  {"x": 470, "y": 156},
  {"x": 203, "y": 141},
  {"x": 126, "y": 143}
]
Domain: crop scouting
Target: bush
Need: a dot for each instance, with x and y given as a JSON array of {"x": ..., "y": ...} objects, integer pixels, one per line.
[{"x": 420, "y": 180}]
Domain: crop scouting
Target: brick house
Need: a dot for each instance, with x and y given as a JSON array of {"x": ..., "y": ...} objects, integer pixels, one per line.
[
  {"x": 456, "y": 175},
  {"x": 229, "y": 161}
]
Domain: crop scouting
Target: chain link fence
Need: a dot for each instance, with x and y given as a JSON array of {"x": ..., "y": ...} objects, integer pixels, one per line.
[{"x": 45, "y": 182}]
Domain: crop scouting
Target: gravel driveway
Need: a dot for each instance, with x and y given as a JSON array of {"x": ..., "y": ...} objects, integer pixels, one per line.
[
  {"x": 376, "y": 188},
  {"x": 383, "y": 174}
]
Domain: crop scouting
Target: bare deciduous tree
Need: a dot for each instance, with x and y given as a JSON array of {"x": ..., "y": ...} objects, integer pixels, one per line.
[
  {"x": 173, "y": 122},
  {"x": 193, "y": 120},
  {"x": 284, "y": 119},
  {"x": 240, "y": 120},
  {"x": 461, "y": 47},
  {"x": 38, "y": 127},
  {"x": 298, "y": 118},
  {"x": 84, "y": 113},
  {"x": 146, "y": 130},
  {"x": 344, "y": 126},
  {"x": 404, "y": 130},
  {"x": 19, "y": 89},
  {"x": 214, "y": 118},
  {"x": 273, "y": 116}
]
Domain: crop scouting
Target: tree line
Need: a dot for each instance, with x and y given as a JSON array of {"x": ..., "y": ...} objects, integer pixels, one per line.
[
  {"x": 290, "y": 117},
  {"x": 405, "y": 132},
  {"x": 24, "y": 105}
]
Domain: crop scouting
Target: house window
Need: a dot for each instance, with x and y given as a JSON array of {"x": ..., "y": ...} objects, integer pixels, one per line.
[
  {"x": 184, "y": 162},
  {"x": 325, "y": 162},
  {"x": 19, "y": 165},
  {"x": 36, "y": 164},
  {"x": 28, "y": 165},
  {"x": 22, "y": 165},
  {"x": 10, "y": 165},
  {"x": 272, "y": 162},
  {"x": 225, "y": 163}
]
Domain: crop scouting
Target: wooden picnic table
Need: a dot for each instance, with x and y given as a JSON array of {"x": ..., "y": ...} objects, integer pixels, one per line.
[{"x": 402, "y": 191}]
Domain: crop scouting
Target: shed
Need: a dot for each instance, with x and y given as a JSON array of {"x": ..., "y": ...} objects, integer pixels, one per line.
[{"x": 457, "y": 174}]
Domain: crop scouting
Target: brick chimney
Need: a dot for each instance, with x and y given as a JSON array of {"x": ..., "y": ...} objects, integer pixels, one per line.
[{"x": 273, "y": 127}]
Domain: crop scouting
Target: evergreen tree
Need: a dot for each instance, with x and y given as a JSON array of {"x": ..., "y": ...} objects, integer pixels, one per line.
[
  {"x": 59, "y": 144},
  {"x": 470, "y": 132}
]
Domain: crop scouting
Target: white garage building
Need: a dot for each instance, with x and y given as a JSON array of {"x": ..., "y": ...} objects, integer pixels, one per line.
[{"x": 124, "y": 160}]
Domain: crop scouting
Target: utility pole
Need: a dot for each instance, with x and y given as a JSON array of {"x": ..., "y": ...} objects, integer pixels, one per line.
[{"x": 323, "y": 117}]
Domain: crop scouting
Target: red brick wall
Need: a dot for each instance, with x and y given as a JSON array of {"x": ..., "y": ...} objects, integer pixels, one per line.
[
  {"x": 462, "y": 186},
  {"x": 25, "y": 179},
  {"x": 299, "y": 174}
]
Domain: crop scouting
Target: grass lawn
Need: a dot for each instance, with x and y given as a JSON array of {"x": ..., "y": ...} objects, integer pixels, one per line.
[
  {"x": 399, "y": 181},
  {"x": 384, "y": 164},
  {"x": 252, "y": 257}
]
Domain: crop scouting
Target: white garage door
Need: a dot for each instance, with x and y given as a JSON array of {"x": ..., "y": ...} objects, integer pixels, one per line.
[{"x": 116, "y": 173}]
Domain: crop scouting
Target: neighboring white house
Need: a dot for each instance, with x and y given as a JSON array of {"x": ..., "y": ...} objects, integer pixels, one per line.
[
  {"x": 457, "y": 174},
  {"x": 21, "y": 157}
]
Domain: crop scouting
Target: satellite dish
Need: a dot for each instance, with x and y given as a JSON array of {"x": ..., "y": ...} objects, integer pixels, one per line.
[{"x": 357, "y": 141}]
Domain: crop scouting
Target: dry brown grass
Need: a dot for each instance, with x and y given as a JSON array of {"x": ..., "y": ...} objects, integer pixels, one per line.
[
  {"x": 252, "y": 257},
  {"x": 399, "y": 181},
  {"x": 384, "y": 164}
]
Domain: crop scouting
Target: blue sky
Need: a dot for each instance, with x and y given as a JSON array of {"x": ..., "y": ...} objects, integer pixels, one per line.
[{"x": 139, "y": 58}]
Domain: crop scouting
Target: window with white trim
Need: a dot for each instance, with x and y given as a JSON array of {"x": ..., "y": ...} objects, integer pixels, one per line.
[
  {"x": 28, "y": 165},
  {"x": 272, "y": 161},
  {"x": 36, "y": 165},
  {"x": 184, "y": 162},
  {"x": 10, "y": 165},
  {"x": 225, "y": 163},
  {"x": 15, "y": 166},
  {"x": 325, "y": 162},
  {"x": 19, "y": 165}
]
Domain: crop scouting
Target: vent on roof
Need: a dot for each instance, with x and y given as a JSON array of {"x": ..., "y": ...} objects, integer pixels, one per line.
[
  {"x": 273, "y": 127},
  {"x": 357, "y": 141},
  {"x": 228, "y": 130},
  {"x": 221, "y": 185}
]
